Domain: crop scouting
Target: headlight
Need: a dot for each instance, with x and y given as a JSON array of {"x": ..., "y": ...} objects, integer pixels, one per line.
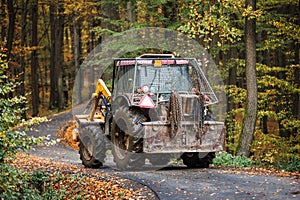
[{"x": 145, "y": 88}]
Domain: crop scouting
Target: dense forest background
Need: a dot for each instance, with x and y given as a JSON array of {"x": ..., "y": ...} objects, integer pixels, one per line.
[{"x": 46, "y": 41}]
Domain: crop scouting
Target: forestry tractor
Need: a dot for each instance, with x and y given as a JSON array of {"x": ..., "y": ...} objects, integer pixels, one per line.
[{"x": 158, "y": 109}]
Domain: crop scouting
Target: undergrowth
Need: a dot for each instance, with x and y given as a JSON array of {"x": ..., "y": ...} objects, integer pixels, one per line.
[
  {"x": 228, "y": 160},
  {"x": 240, "y": 161},
  {"x": 17, "y": 184}
]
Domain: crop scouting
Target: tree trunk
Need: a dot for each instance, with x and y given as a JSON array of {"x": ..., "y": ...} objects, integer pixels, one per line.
[
  {"x": 232, "y": 80},
  {"x": 3, "y": 24},
  {"x": 66, "y": 71},
  {"x": 131, "y": 12},
  {"x": 34, "y": 59},
  {"x": 232, "y": 76},
  {"x": 76, "y": 48},
  {"x": 11, "y": 27},
  {"x": 56, "y": 58},
  {"x": 21, "y": 70},
  {"x": 251, "y": 104},
  {"x": 296, "y": 109},
  {"x": 59, "y": 66},
  {"x": 296, "y": 97},
  {"x": 24, "y": 5},
  {"x": 265, "y": 59},
  {"x": 53, "y": 88},
  {"x": 111, "y": 14}
]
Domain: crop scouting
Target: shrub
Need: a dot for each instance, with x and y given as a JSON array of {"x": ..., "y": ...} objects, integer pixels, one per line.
[
  {"x": 226, "y": 159},
  {"x": 17, "y": 184},
  {"x": 13, "y": 184},
  {"x": 12, "y": 109},
  {"x": 292, "y": 166},
  {"x": 275, "y": 152}
]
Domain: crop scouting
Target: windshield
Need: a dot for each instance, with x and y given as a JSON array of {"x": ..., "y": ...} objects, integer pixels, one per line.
[
  {"x": 164, "y": 78},
  {"x": 161, "y": 76}
]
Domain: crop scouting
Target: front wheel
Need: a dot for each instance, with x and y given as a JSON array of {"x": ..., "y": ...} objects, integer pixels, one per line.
[
  {"x": 127, "y": 139},
  {"x": 92, "y": 147}
]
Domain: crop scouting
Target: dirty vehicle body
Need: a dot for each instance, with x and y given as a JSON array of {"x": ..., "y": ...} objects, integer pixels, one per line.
[{"x": 157, "y": 110}]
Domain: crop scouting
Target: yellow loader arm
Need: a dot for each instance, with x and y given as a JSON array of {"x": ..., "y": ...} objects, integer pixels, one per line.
[
  {"x": 102, "y": 89},
  {"x": 101, "y": 94}
]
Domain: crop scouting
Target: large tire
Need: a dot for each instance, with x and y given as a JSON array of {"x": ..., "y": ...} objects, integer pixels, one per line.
[
  {"x": 175, "y": 114},
  {"x": 126, "y": 135},
  {"x": 192, "y": 160},
  {"x": 92, "y": 147}
]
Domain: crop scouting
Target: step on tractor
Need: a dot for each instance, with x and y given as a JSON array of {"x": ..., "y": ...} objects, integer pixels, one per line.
[{"x": 158, "y": 109}]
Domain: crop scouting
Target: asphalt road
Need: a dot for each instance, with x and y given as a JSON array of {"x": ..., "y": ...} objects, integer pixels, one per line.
[{"x": 178, "y": 182}]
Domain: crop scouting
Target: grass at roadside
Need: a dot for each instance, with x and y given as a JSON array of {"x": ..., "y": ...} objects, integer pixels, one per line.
[{"x": 226, "y": 160}]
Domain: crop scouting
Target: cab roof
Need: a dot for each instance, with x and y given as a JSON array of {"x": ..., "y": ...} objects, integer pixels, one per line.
[
  {"x": 148, "y": 59},
  {"x": 150, "y": 55}
]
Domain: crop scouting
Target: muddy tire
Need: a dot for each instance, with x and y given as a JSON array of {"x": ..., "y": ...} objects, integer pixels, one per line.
[
  {"x": 192, "y": 160},
  {"x": 175, "y": 115},
  {"x": 126, "y": 135},
  {"x": 92, "y": 147}
]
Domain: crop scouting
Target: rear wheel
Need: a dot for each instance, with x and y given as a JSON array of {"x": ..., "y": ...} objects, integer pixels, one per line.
[
  {"x": 126, "y": 137},
  {"x": 194, "y": 160},
  {"x": 92, "y": 147}
]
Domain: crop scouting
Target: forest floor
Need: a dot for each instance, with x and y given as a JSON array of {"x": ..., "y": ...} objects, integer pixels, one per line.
[{"x": 172, "y": 182}]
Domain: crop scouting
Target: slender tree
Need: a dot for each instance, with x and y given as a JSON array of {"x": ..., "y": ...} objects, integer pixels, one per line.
[
  {"x": 24, "y": 11},
  {"x": 296, "y": 97},
  {"x": 59, "y": 66},
  {"x": 77, "y": 53},
  {"x": 56, "y": 60},
  {"x": 251, "y": 104},
  {"x": 53, "y": 88},
  {"x": 34, "y": 59},
  {"x": 3, "y": 24},
  {"x": 11, "y": 27}
]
